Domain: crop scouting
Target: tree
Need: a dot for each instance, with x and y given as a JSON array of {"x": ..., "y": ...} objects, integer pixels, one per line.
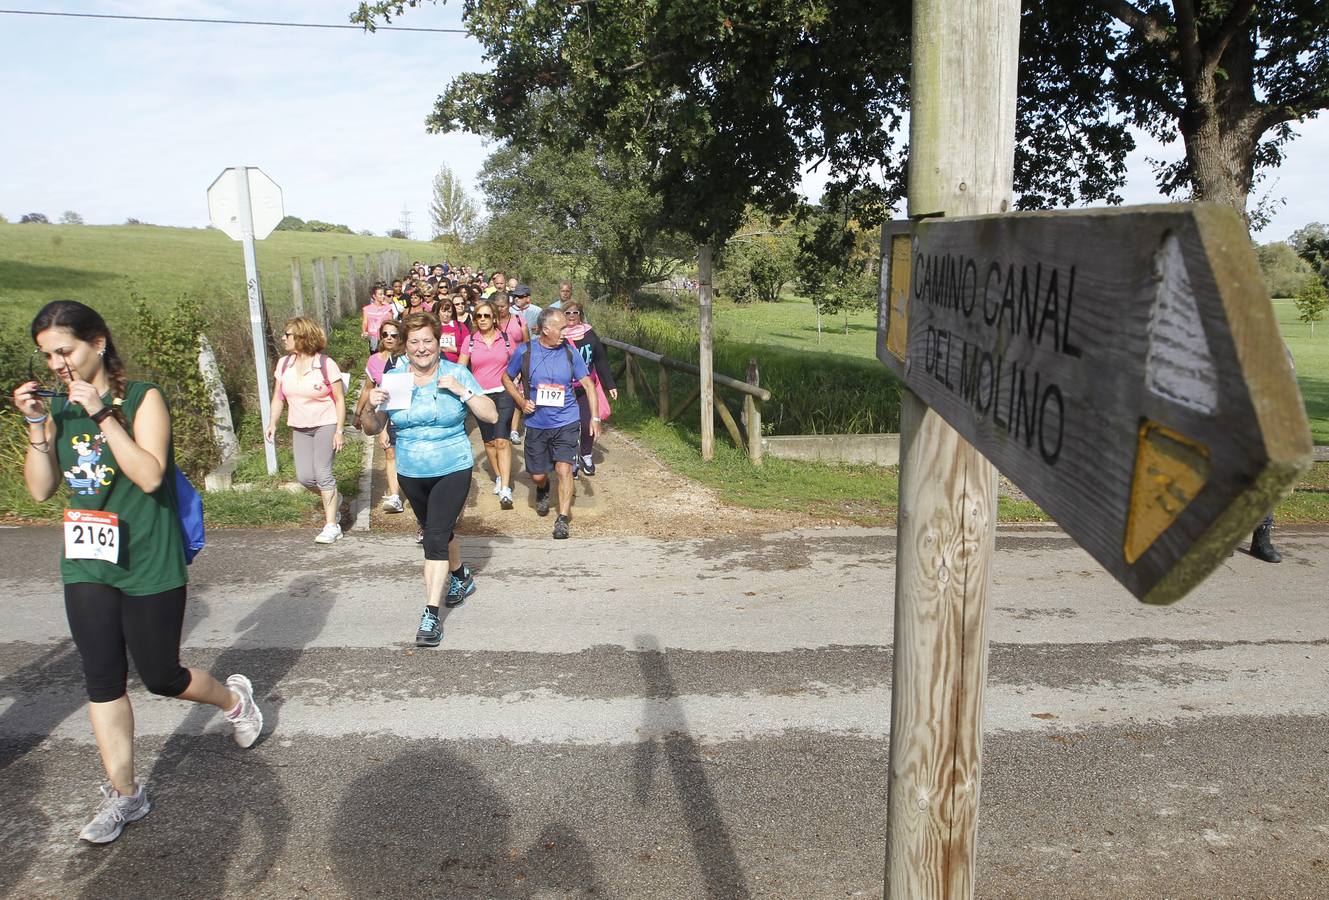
[
  {"x": 1229, "y": 77},
  {"x": 1284, "y": 271},
  {"x": 34, "y": 218},
  {"x": 1312, "y": 244},
  {"x": 397, "y": 233},
  {"x": 731, "y": 102},
  {"x": 290, "y": 223},
  {"x": 1311, "y": 302},
  {"x": 71, "y": 218},
  {"x": 133, "y": 221},
  {"x": 452, "y": 212},
  {"x": 759, "y": 261},
  {"x": 590, "y": 204}
]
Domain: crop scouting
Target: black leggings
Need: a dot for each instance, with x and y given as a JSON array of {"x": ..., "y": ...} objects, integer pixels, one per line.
[
  {"x": 105, "y": 621},
  {"x": 437, "y": 504},
  {"x": 584, "y": 408}
]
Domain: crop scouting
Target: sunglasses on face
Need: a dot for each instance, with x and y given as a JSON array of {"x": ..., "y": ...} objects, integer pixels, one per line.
[
  {"x": 390, "y": 336},
  {"x": 484, "y": 315}
]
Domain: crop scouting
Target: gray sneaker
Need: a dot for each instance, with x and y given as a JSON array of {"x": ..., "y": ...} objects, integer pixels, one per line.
[
  {"x": 116, "y": 811},
  {"x": 248, "y": 721}
]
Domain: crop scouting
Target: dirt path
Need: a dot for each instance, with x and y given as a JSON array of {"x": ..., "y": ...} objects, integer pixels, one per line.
[{"x": 632, "y": 493}]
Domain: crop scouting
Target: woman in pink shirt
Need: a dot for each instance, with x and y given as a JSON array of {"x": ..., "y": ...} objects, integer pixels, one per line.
[
  {"x": 487, "y": 351},
  {"x": 311, "y": 385},
  {"x": 452, "y": 339},
  {"x": 373, "y": 314}
]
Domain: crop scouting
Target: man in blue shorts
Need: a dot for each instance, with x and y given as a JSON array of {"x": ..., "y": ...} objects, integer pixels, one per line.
[{"x": 550, "y": 371}]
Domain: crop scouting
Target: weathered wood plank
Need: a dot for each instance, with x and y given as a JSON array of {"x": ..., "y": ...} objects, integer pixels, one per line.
[
  {"x": 1121, "y": 366},
  {"x": 685, "y": 405},
  {"x": 722, "y": 410}
]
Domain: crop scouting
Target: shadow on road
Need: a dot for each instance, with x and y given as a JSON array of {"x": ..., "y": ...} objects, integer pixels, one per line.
[
  {"x": 219, "y": 820},
  {"x": 710, "y": 838},
  {"x": 428, "y": 824},
  {"x": 24, "y": 825}
]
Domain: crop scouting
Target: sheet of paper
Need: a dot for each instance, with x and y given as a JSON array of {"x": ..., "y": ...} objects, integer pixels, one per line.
[{"x": 399, "y": 387}]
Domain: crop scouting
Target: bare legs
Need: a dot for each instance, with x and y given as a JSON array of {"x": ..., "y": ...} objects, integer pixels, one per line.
[
  {"x": 437, "y": 573},
  {"x": 499, "y": 453},
  {"x": 113, "y": 725}
]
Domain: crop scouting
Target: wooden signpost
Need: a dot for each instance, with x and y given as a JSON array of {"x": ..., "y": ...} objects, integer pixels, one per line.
[{"x": 1122, "y": 367}]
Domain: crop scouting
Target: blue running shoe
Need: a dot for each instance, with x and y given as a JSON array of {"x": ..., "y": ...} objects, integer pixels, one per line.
[
  {"x": 431, "y": 630},
  {"x": 459, "y": 588}
]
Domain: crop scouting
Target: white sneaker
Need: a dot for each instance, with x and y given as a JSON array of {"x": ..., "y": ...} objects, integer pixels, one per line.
[
  {"x": 248, "y": 720},
  {"x": 115, "y": 811},
  {"x": 392, "y": 503},
  {"x": 505, "y": 498},
  {"x": 329, "y": 534},
  {"x": 498, "y": 486},
  {"x": 515, "y": 438}
]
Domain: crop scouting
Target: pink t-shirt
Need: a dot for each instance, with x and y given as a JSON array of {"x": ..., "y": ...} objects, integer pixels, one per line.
[
  {"x": 513, "y": 327},
  {"x": 374, "y": 368},
  {"x": 376, "y": 314},
  {"x": 309, "y": 401},
  {"x": 489, "y": 360},
  {"x": 452, "y": 340}
]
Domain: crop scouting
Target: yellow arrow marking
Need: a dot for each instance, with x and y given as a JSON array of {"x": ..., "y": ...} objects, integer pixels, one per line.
[
  {"x": 1170, "y": 469},
  {"x": 897, "y": 326}
]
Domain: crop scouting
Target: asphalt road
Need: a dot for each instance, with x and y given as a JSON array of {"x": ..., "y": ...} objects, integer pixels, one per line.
[{"x": 682, "y": 718}]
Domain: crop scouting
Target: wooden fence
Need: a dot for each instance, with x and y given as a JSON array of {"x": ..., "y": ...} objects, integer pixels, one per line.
[
  {"x": 350, "y": 284},
  {"x": 753, "y": 394}
]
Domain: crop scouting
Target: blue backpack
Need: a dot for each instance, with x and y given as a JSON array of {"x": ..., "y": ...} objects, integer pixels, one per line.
[{"x": 189, "y": 509}]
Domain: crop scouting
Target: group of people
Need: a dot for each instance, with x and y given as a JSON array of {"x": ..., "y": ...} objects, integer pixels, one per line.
[
  {"x": 446, "y": 346},
  {"x": 461, "y": 345}
]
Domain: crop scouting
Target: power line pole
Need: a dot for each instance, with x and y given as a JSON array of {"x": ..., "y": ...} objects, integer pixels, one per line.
[{"x": 405, "y": 224}]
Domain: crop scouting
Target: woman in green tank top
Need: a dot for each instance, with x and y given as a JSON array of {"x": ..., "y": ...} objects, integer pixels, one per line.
[{"x": 106, "y": 442}]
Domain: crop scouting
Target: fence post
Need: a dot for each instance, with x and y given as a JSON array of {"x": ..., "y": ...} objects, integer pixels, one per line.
[
  {"x": 663, "y": 399},
  {"x": 336, "y": 288},
  {"x": 752, "y": 414},
  {"x": 321, "y": 293},
  {"x": 297, "y": 293},
  {"x": 353, "y": 285},
  {"x": 629, "y": 381},
  {"x": 704, "y": 359}
]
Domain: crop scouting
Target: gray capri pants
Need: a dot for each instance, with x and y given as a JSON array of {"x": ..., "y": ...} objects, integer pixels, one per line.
[{"x": 313, "y": 456}]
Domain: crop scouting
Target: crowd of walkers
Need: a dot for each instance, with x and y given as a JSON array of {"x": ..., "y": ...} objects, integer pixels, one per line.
[{"x": 445, "y": 346}]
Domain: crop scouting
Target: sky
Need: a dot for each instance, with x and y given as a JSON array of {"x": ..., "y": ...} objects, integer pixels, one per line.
[{"x": 118, "y": 119}]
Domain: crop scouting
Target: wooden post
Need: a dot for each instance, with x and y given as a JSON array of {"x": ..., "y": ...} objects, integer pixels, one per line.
[
  {"x": 297, "y": 293},
  {"x": 629, "y": 379},
  {"x": 336, "y": 288},
  {"x": 962, "y": 152},
  {"x": 704, "y": 354},
  {"x": 752, "y": 414},
  {"x": 353, "y": 283},
  {"x": 321, "y": 294},
  {"x": 663, "y": 396},
  {"x": 722, "y": 410}
]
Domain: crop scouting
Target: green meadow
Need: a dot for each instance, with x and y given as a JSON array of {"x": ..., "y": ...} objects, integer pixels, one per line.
[{"x": 106, "y": 265}]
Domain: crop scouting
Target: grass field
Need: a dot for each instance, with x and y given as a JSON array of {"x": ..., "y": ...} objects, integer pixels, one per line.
[
  {"x": 104, "y": 265},
  {"x": 792, "y": 324}
]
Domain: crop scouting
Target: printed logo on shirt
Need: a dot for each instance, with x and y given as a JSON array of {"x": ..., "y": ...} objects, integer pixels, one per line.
[{"x": 88, "y": 475}]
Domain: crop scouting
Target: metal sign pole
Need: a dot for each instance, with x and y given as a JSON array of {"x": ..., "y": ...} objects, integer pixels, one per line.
[{"x": 255, "y": 309}]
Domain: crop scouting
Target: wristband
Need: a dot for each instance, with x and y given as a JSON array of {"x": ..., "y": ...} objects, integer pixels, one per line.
[
  {"x": 466, "y": 397},
  {"x": 37, "y": 421},
  {"x": 595, "y": 418},
  {"x": 101, "y": 414}
]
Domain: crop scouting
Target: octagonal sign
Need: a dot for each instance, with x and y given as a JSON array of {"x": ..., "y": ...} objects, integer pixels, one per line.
[{"x": 224, "y": 206}]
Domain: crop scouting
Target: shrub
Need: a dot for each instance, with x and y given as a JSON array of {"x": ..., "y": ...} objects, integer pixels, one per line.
[{"x": 170, "y": 355}]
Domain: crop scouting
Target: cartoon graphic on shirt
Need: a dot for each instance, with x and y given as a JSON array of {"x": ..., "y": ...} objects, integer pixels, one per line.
[{"x": 87, "y": 475}]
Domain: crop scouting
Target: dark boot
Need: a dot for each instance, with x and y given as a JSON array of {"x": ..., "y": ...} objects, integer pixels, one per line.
[{"x": 1262, "y": 547}]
